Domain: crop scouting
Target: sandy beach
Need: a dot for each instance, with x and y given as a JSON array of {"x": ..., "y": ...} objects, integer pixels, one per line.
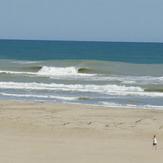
[{"x": 38, "y": 132}]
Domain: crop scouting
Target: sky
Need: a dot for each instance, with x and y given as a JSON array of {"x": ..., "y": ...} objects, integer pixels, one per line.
[{"x": 86, "y": 20}]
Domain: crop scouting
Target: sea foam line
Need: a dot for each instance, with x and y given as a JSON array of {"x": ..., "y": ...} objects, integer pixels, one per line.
[
  {"x": 120, "y": 90},
  {"x": 52, "y": 72},
  {"x": 41, "y": 96},
  {"x": 70, "y": 73},
  {"x": 117, "y": 105},
  {"x": 17, "y": 72}
]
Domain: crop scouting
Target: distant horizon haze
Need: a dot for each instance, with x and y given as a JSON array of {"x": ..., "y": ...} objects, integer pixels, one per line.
[{"x": 82, "y": 20}]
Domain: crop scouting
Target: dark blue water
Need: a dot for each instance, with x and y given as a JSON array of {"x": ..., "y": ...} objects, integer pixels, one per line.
[{"x": 148, "y": 53}]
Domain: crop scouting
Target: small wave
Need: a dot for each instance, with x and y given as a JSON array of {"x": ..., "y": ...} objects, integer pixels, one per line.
[
  {"x": 97, "y": 67},
  {"x": 85, "y": 70},
  {"x": 139, "y": 80},
  {"x": 115, "y": 90},
  {"x": 16, "y": 72},
  {"x": 32, "y": 68},
  {"x": 153, "y": 89},
  {"x": 153, "y": 107},
  {"x": 70, "y": 87},
  {"x": 117, "y": 105},
  {"x": 128, "y": 82},
  {"x": 110, "y": 104},
  {"x": 41, "y": 96},
  {"x": 50, "y": 71},
  {"x": 45, "y": 70},
  {"x": 25, "y": 62},
  {"x": 62, "y": 71}
]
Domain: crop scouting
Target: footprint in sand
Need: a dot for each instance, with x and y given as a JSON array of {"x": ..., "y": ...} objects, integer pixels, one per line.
[
  {"x": 138, "y": 121},
  {"x": 89, "y": 123},
  {"x": 66, "y": 123}
]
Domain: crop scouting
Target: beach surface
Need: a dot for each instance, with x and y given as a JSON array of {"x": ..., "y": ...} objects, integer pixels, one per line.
[{"x": 37, "y": 132}]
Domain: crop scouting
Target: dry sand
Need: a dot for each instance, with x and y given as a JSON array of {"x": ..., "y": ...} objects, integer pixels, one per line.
[{"x": 57, "y": 133}]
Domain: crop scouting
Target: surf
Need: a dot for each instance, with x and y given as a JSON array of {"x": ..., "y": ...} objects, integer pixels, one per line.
[
  {"x": 63, "y": 71},
  {"x": 111, "y": 89}
]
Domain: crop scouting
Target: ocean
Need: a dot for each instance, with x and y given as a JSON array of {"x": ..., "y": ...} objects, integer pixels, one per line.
[{"x": 117, "y": 74}]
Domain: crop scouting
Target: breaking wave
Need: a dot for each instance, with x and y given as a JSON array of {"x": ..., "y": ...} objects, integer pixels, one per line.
[
  {"x": 154, "y": 89},
  {"x": 51, "y": 71},
  {"x": 63, "y": 71},
  {"x": 112, "y": 89},
  {"x": 40, "y": 96}
]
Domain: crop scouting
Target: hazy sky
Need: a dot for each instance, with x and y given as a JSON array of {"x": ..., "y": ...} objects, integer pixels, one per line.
[{"x": 108, "y": 20}]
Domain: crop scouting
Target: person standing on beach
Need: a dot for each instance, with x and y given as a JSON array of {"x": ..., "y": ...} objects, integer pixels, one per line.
[{"x": 155, "y": 142}]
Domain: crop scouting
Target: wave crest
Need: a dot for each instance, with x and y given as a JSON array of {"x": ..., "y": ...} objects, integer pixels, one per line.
[
  {"x": 62, "y": 71},
  {"x": 102, "y": 89},
  {"x": 51, "y": 71}
]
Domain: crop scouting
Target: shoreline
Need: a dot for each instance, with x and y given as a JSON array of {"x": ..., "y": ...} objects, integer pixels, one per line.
[
  {"x": 130, "y": 107},
  {"x": 65, "y": 133}
]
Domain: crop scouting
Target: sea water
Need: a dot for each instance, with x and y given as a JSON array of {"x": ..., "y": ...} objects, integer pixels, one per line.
[{"x": 99, "y": 73}]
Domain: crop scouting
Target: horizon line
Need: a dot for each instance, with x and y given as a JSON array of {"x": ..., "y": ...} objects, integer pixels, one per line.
[{"x": 60, "y": 40}]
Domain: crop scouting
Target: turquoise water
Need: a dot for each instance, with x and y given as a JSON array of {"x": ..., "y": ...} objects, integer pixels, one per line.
[{"x": 98, "y": 73}]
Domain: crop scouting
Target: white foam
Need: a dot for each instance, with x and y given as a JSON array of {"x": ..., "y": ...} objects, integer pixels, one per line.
[
  {"x": 40, "y": 96},
  {"x": 119, "y": 90},
  {"x": 72, "y": 72},
  {"x": 117, "y": 105},
  {"x": 153, "y": 107},
  {"x": 130, "y": 79},
  {"x": 25, "y": 62},
  {"x": 128, "y": 82},
  {"x": 110, "y": 104},
  {"x": 60, "y": 71},
  {"x": 54, "y": 86},
  {"x": 45, "y": 70},
  {"x": 17, "y": 72},
  {"x": 51, "y": 72}
]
